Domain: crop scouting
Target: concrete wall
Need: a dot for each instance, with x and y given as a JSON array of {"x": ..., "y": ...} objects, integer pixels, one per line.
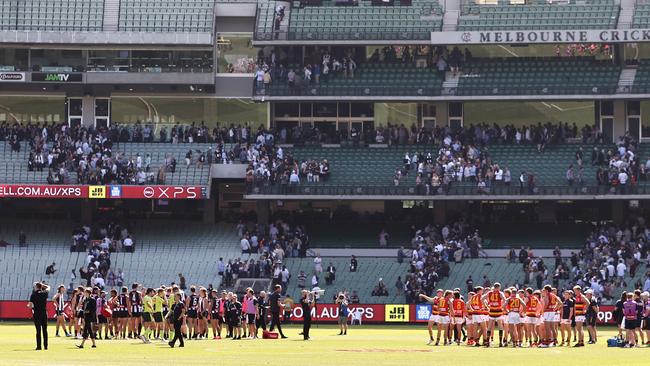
[{"x": 181, "y": 78}]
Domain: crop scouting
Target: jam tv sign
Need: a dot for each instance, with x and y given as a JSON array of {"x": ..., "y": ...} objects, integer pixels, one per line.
[{"x": 57, "y": 77}]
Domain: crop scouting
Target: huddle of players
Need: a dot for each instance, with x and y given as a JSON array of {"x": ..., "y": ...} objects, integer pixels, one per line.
[
  {"x": 145, "y": 313},
  {"x": 522, "y": 316}
]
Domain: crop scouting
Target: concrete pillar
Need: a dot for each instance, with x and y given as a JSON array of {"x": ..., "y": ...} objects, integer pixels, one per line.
[
  {"x": 87, "y": 208},
  {"x": 88, "y": 110},
  {"x": 618, "y": 211},
  {"x": 442, "y": 114},
  {"x": 263, "y": 211},
  {"x": 440, "y": 212},
  {"x": 546, "y": 212},
  {"x": 209, "y": 210},
  {"x": 620, "y": 118}
]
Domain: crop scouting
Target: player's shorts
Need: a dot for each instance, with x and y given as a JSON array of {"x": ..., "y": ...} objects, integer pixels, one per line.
[
  {"x": 478, "y": 318},
  {"x": 192, "y": 314},
  {"x": 146, "y": 317},
  {"x": 343, "y": 320},
  {"x": 565, "y": 321},
  {"x": 631, "y": 324},
  {"x": 59, "y": 312},
  {"x": 580, "y": 318},
  {"x": 250, "y": 318},
  {"x": 496, "y": 318},
  {"x": 214, "y": 315},
  {"x": 235, "y": 321},
  {"x": 469, "y": 320},
  {"x": 79, "y": 314},
  {"x": 556, "y": 318},
  {"x": 158, "y": 317},
  {"x": 458, "y": 320},
  {"x": 102, "y": 319},
  {"x": 591, "y": 320},
  {"x": 434, "y": 318},
  {"x": 513, "y": 318},
  {"x": 136, "y": 314},
  {"x": 444, "y": 319},
  {"x": 549, "y": 316},
  {"x": 533, "y": 320}
]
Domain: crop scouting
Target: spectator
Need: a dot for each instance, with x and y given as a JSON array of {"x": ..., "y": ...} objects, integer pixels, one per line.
[
  {"x": 127, "y": 243},
  {"x": 50, "y": 270},
  {"x": 354, "y": 264},
  {"x": 330, "y": 274},
  {"x": 22, "y": 239},
  {"x": 380, "y": 289},
  {"x": 383, "y": 238}
]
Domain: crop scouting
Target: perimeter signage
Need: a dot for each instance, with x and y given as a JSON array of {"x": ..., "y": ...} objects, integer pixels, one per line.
[
  {"x": 103, "y": 192},
  {"x": 542, "y": 36}
]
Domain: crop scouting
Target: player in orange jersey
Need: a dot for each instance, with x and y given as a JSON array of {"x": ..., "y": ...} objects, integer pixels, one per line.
[
  {"x": 469, "y": 314},
  {"x": 458, "y": 313},
  {"x": 495, "y": 300},
  {"x": 551, "y": 304},
  {"x": 580, "y": 303},
  {"x": 479, "y": 316},
  {"x": 433, "y": 318}
]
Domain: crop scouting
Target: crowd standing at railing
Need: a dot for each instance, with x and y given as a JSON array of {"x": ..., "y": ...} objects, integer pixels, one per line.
[{"x": 432, "y": 250}]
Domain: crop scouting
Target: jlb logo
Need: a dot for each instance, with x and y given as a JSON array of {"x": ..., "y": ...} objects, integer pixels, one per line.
[
  {"x": 397, "y": 313},
  {"x": 97, "y": 192}
]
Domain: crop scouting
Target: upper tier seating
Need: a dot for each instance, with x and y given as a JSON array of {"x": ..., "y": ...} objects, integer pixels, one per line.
[
  {"x": 166, "y": 15},
  {"x": 369, "y": 79},
  {"x": 515, "y": 76},
  {"x": 374, "y": 167},
  {"x": 365, "y": 21},
  {"x": 596, "y": 14},
  {"x": 51, "y": 15},
  {"x": 641, "y": 16}
]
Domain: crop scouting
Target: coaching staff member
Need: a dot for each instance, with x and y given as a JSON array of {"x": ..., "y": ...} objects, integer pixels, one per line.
[
  {"x": 90, "y": 318},
  {"x": 306, "y": 303},
  {"x": 38, "y": 304},
  {"x": 275, "y": 305},
  {"x": 177, "y": 314}
]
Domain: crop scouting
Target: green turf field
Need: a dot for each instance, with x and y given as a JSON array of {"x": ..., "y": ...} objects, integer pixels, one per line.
[{"x": 366, "y": 345}]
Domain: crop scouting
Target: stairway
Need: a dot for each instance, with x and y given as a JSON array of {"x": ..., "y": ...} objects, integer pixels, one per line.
[
  {"x": 111, "y": 15},
  {"x": 450, "y": 84},
  {"x": 626, "y": 15},
  {"x": 626, "y": 80},
  {"x": 452, "y": 12}
]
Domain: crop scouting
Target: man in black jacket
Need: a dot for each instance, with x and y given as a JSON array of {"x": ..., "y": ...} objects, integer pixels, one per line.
[
  {"x": 177, "y": 314},
  {"x": 90, "y": 318},
  {"x": 275, "y": 305},
  {"x": 38, "y": 304}
]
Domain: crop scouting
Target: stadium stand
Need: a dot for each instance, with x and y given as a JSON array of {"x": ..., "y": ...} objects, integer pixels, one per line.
[
  {"x": 642, "y": 78},
  {"x": 166, "y": 16},
  {"x": 641, "y": 15},
  {"x": 370, "y": 79},
  {"x": 166, "y": 242},
  {"x": 539, "y": 15},
  {"x": 533, "y": 76},
  {"x": 330, "y": 22},
  {"x": 51, "y": 15},
  {"x": 363, "y": 281},
  {"x": 14, "y": 167}
]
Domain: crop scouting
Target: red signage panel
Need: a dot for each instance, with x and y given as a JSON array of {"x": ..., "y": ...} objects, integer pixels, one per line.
[
  {"x": 157, "y": 192},
  {"x": 102, "y": 192},
  {"x": 42, "y": 191},
  {"x": 371, "y": 313}
]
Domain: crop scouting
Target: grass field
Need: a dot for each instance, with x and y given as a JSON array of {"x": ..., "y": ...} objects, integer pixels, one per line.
[{"x": 366, "y": 345}]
